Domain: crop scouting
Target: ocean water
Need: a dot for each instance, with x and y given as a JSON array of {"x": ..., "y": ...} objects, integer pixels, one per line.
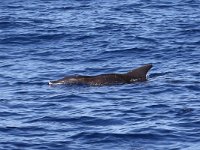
[{"x": 47, "y": 40}]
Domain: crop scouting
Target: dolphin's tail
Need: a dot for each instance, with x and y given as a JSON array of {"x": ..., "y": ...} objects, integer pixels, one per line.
[{"x": 141, "y": 72}]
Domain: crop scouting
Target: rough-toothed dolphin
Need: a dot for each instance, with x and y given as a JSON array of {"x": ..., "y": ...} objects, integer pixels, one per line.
[{"x": 136, "y": 75}]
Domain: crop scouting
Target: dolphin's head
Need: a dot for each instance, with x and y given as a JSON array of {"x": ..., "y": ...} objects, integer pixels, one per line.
[
  {"x": 66, "y": 80},
  {"x": 56, "y": 82}
]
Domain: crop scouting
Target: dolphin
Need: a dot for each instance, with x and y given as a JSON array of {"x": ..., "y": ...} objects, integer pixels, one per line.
[{"x": 136, "y": 75}]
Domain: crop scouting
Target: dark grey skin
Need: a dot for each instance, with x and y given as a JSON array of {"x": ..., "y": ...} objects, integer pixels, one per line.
[{"x": 136, "y": 75}]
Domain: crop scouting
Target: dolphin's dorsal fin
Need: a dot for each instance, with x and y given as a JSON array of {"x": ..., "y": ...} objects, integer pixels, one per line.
[{"x": 140, "y": 73}]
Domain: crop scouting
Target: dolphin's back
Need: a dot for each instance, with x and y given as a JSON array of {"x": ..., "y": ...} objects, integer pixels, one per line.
[{"x": 104, "y": 79}]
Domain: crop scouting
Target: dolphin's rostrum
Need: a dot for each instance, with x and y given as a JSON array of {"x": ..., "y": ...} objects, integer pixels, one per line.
[{"x": 136, "y": 75}]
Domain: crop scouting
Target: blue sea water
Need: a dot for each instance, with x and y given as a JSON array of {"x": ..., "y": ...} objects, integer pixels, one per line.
[{"x": 47, "y": 40}]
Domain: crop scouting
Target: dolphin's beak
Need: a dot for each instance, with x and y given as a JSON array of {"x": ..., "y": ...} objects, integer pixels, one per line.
[{"x": 56, "y": 82}]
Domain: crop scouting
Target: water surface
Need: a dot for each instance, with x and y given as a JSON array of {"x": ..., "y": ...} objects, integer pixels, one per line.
[{"x": 46, "y": 40}]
